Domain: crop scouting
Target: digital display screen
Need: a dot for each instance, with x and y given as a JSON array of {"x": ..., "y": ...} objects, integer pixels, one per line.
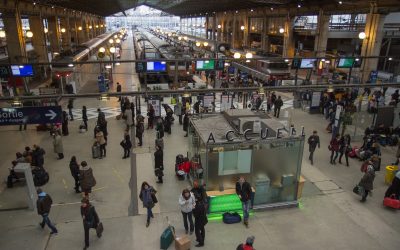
[
  {"x": 345, "y": 63},
  {"x": 205, "y": 65},
  {"x": 308, "y": 63},
  {"x": 357, "y": 63},
  {"x": 22, "y": 70},
  {"x": 156, "y": 66}
]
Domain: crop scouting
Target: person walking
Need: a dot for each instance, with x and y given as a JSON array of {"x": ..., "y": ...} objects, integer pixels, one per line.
[
  {"x": 64, "y": 124},
  {"x": 90, "y": 220},
  {"x": 159, "y": 163},
  {"x": 187, "y": 203},
  {"x": 186, "y": 123},
  {"x": 74, "y": 167},
  {"x": 178, "y": 111},
  {"x": 86, "y": 178},
  {"x": 367, "y": 182},
  {"x": 243, "y": 190},
  {"x": 119, "y": 89},
  {"x": 200, "y": 220},
  {"x": 344, "y": 148},
  {"x": 102, "y": 142},
  {"x": 278, "y": 103},
  {"x": 150, "y": 117},
  {"x": 313, "y": 142},
  {"x": 43, "y": 205},
  {"x": 334, "y": 148},
  {"x": 248, "y": 245},
  {"x": 58, "y": 145},
  {"x": 126, "y": 145},
  {"x": 133, "y": 113},
  {"x": 70, "y": 106},
  {"x": 84, "y": 117},
  {"x": 148, "y": 197},
  {"x": 160, "y": 128}
]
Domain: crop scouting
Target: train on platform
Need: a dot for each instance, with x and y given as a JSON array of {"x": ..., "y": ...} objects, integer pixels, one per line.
[
  {"x": 69, "y": 69},
  {"x": 150, "y": 46}
]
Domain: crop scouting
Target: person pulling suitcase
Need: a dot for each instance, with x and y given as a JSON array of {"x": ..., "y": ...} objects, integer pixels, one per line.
[{"x": 90, "y": 220}]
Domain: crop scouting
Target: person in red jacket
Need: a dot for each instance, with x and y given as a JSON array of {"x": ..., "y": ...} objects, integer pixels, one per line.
[
  {"x": 334, "y": 146},
  {"x": 248, "y": 245}
]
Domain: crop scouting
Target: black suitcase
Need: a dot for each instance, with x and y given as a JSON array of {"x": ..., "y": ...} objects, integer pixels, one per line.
[{"x": 96, "y": 151}]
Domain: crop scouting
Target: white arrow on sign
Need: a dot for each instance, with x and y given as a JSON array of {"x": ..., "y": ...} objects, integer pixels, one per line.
[{"x": 52, "y": 114}]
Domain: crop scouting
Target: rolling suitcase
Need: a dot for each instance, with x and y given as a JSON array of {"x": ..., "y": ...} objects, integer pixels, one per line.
[
  {"x": 167, "y": 237},
  {"x": 96, "y": 151}
]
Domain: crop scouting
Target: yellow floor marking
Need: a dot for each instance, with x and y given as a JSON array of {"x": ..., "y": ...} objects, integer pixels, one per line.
[
  {"x": 118, "y": 175},
  {"x": 65, "y": 184},
  {"x": 100, "y": 188}
]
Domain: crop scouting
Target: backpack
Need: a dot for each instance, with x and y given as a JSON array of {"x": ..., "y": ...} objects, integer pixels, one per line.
[
  {"x": 40, "y": 177},
  {"x": 231, "y": 218}
]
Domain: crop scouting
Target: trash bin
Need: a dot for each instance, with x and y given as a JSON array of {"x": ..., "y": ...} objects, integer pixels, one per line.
[{"x": 390, "y": 172}]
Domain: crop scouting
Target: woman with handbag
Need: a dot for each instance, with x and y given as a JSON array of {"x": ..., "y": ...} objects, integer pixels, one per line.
[
  {"x": 187, "y": 202},
  {"x": 148, "y": 197},
  {"x": 345, "y": 148},
  {"x": 367, "y": 182},
  {"x": 334, "y": 148},
  {"x": 90, "y": 220}
]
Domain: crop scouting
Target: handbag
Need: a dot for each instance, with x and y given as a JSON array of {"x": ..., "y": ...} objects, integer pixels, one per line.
[
  {"x": 154, "y": 198},
  {"x": 158, "y": 172},
  {"x": 392, "y": 202},
  {"x": 358, "y": 190},
  {"x": 99, "y": 229}
]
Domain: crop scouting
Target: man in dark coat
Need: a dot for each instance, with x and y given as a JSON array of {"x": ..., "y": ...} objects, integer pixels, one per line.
[
  {"x": 139, "y": 130},
  {"x": 84, "y": 117},
  {"x": 74, "y": 167},
  {"x": 119, "y": 89},
  {"x": 243, "y": 190},
  {"x": 313, "y": 142},
  {"x": 200, "y": 220},
  {"x": 64, "y": 125},
  {"x": 43, "y": 205},
  {"x": 277, "y": 106},
  {"x": 159, "y": 163},
  {"x": 90, "y": 220},
  {"x": 38, "y": 156},
  {"x": 186, "y": 123}
]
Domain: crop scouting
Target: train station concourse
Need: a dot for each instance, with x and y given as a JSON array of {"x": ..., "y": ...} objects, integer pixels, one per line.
[{"x": 188, "y": 124}]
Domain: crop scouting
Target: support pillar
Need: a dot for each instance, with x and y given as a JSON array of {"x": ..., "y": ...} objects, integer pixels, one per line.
[
  {"x": 65, "y": 36},
  {"x": 54, "y": 34},
  {"x": 321, "y": 37},
  {"x": 207, "y": 25},
  {"x": 372, "y": 43},
  {"x": 214, "y": 28},
  {"x": 264, "y": 33},
  {"x": 73, "y": 32},
  {"x": 234, "y": 32},
  {"x": 288, "y": 39},
  {"x": 15, "y": 38},
  {"x": 82, "y": 33},
  {"x": 39, "y": 38}
]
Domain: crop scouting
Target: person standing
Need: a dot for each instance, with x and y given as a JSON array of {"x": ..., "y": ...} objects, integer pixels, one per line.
[
  {"x": 43, "y": 205},
  {"x": 200, "y": 220},
  {"x": 367, "y": 182},
  {"x": 344, "y": 148},
  {"x": 159, "y": 163},
  {"x": 178, "y": 111},
  {"x": 150, "y": 117},
  {"x": 160, "y": 128},
  {"x": 90, "y": 220},
  {"x": 86, "y": 178},
  {"x": 126, "y": 145},
  {"x": 64, "y": 125},
  {"x": 277, "y": 106},
  {"x": 70, "y": 106},
  {"x": 199, "y": 193},
  {"x": 147, "y": 196},
  {"x": 186, "y": 123},
  {"x": 313, "y": 142},
  {"x": 102, "y": 142},
  {"x": 58, "y": 145},
  {"x": 119, "y": 89},
  {"x": 133, "y": 113},
  {"x": 84, "y": 117},
  {"x": 334, "y": 148},
  {"x": 248, "y": 245},
  {"x": 129, "y": 119},
  {"x": 243, "y": 190},
  {"x": 140, "y": 129},
  {"x": 74, "y": 167},
  {"x": 38, "y": 156},
  {"x": 187, "y": 203}
]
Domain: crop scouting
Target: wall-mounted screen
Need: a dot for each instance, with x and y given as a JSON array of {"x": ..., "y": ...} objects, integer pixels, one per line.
[
  {"x": 156, "y": 66},
  {"x": 345, "y": 63},
  {"x": 22, "y": 70},
  {"x": 357, "y": 63},
  {"x": 308, "y": 63},
  {"x": 205, "y": 65}
]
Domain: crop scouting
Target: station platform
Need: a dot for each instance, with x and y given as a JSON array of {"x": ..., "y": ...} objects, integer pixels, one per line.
[{"x": 329, "y": 215}]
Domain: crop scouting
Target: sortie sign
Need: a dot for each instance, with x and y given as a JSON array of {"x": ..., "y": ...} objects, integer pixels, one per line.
[{"x": 30, "y": 115}]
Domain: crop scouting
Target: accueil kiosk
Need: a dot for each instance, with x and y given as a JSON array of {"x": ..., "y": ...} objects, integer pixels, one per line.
[{"x": 243, "y": 143}]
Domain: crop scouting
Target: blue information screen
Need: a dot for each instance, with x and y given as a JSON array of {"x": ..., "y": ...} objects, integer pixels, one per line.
[
  {"x": 156, "y": 66},
  {"x": 22, "y": 70}
]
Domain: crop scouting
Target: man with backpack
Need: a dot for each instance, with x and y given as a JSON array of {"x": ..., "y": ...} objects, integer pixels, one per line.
[
  {"x": 43, "y": 205},
  {"x": 243, "y": 190},
  {"x": 313, "y": 142}
]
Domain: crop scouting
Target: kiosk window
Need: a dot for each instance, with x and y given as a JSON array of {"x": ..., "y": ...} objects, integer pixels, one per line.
[{"x": 234, "y": 162}]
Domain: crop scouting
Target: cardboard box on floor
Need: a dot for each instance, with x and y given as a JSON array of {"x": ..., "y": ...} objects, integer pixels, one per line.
[{"x": 182, "y": 242}]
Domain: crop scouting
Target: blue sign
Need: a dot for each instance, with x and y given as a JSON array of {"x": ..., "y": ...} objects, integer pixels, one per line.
[
  {"x": 22, "y": 70},
  {"x": 101, "y": 83},
  {"x": 156, "y": 66},
  {"x": 30, "y": 115}
]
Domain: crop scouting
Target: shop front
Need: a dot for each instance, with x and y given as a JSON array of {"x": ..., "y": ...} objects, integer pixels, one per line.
[{"x": 242, "y": 143}]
